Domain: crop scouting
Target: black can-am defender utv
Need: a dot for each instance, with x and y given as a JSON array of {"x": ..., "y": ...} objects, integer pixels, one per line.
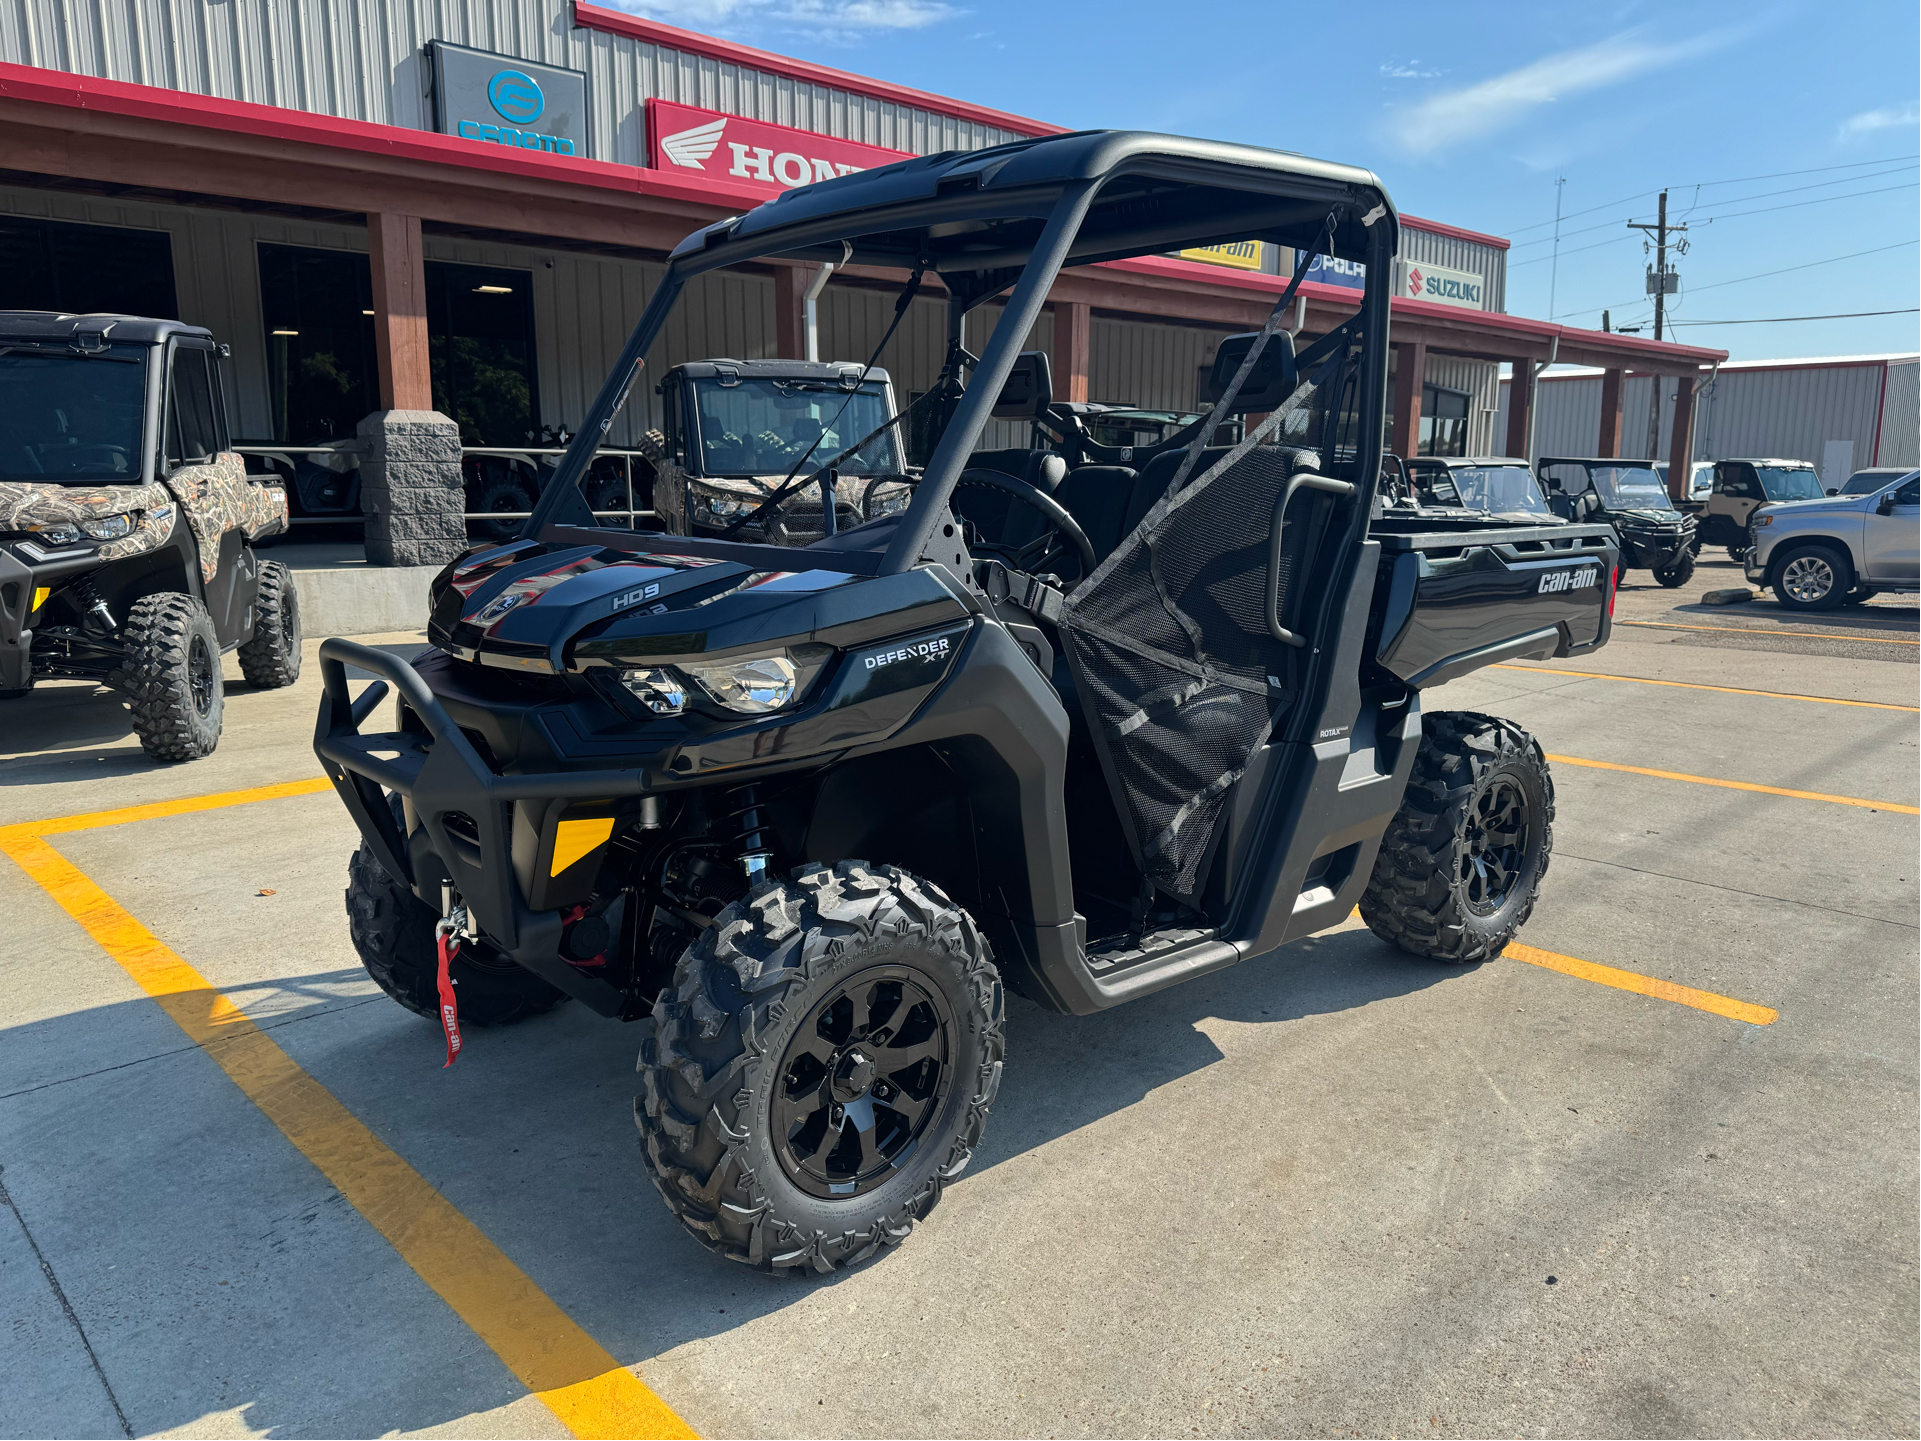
[
  {"x": 127, "y": 525},
  {"x": 809, "y": 808}
]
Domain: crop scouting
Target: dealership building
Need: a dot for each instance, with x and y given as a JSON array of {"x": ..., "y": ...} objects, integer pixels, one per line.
[{"x": 401, "y": 205}]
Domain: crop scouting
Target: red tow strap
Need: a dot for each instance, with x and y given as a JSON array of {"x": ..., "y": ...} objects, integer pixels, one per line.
[{"x": 449, "y": 945}]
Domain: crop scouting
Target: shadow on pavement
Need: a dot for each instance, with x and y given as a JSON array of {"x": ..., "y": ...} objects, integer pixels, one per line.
[{"x": 532, "y": 1138}]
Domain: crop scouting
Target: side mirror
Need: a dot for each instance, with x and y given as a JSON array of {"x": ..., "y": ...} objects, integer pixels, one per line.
[
  {"x": 1834, "y": 490},
  {"x": 1885, "y": 506},
  {"x": 1029, "y": 389}
]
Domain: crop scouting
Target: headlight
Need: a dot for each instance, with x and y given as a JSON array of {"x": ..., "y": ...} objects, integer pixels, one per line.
[
  {"x": 720, "y": 506},
  {"x": 756, "y": 685},
  {"x": 661, "y": 691},
  {"x": 1756, "y": 522},
  {"x": 62, "y": 532},
  {"x": 108, "y": 527}
]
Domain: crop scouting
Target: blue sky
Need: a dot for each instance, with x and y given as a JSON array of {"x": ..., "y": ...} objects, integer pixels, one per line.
[{"x": 1786, "y": 133}]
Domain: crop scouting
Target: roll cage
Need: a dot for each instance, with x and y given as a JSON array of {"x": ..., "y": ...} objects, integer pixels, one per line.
[{"x": 1012, "y": 216}]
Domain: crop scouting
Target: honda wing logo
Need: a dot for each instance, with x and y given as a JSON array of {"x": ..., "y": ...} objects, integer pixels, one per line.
[{"x": 690, "y": 147}]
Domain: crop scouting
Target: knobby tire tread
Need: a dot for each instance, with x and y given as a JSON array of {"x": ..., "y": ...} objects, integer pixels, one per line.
[
  {"x": 153, "y": 677},
  {"x": 271, "y": 659}
]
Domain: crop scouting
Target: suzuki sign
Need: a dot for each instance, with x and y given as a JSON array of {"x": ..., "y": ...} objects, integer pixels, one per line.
[
  {"x": 772, "y": 158},
  {"x": 1417, "y": 280}
]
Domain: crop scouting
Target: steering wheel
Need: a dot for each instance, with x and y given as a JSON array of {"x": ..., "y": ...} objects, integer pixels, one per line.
[{"x": 1046, "y": 548}]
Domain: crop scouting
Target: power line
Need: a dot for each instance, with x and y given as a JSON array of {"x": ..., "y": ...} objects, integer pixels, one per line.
[
  {"x": 1741, "y": 200},
  {"x": 1796, "y": 205},
  {"x": 1765, "y": 274},
  {"x": 1784, "y": 319},
  {"x": 1703, "y": 184},
  {"x": 1543, "y": 259}
]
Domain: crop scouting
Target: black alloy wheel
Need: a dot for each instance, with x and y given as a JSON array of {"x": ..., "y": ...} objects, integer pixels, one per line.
[
  {"x": 1496, "y": 844},
  {"x": 861, "y": 1081},
  {"x": 200, "y": 668}
]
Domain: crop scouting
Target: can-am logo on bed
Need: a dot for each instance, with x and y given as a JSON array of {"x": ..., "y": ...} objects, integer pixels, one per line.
[
  {"x": 1574, "y": 579},
  {"x": 770, "y": 158}
]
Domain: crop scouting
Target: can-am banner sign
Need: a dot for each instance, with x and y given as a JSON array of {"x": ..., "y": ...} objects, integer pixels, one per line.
[{"x": 772, "y": 158}]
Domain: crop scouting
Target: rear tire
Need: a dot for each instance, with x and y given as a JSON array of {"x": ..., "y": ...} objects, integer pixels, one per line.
[
  {"x": 845, "y": 996},
  {"x": 272, "y": 658},
  {"x": 1738, "y": 554},
  {"x": 394, "y": 934},
  {"x": 171, "y": 676},
  {"x": 1462, "y": 861},
  {"x": 1812, "y": 577},
  {"x": 1677, "y": 574}
]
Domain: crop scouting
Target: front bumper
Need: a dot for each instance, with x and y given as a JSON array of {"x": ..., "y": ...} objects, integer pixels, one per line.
[
  {"x": 1654, "y": 549},
  {"x": 21, "y": 579},
  {"x": 493, "y": 838}
]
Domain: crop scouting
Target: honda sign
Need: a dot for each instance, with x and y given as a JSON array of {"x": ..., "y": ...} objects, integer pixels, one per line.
[{"x": 771, "y": 158}]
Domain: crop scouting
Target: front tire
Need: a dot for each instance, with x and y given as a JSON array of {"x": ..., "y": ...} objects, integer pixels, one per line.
[
  {"x": 1462, "y": 861},
  {"x": 171, "y": 676},
  {"x": 821, "y": 1068},
  {"x": 1677, "y": 574},
  {"x": 272, "y": 658},
  {"x": 1812, "y": 577},
  {"x": 393, "y": 931},
  {"x": 1738, "y": 554}
]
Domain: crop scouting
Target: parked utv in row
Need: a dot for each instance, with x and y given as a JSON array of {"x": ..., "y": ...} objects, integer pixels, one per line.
[
  {"x": 1743, "y": 486},
  {"x": 806, "y": 811},
  {"x": 127, "y": 525},
  {"x": 1631, "y": 497}
]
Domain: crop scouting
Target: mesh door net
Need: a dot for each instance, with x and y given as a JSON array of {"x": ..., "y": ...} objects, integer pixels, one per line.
[{"x": 1170, "y": 650}]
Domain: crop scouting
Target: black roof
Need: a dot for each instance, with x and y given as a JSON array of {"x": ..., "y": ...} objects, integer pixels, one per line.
[
  {"x": 121, "y": 329},
  {"x": 983, "y": 209},
  {"x": 828, "y": 370}
]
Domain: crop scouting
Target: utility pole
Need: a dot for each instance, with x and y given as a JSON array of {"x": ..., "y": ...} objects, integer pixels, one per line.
[
  {"x": 1554, "y": 266},
  {"x": 1661, "y": 283}
]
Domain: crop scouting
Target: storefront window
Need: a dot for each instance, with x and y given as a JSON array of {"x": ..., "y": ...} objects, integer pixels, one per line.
[
  {"x": 480, "y": 338},
  {"x": 1443, "y": 421},
  {"x": 321, "y": 371},
  {"x": 78, "y": 269}
]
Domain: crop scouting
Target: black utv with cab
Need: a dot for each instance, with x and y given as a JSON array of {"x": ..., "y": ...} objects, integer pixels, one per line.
[
  {"x": 127, "y": 525},
  {"x": 805, "y": 811},
  {"x": 1631, "y": 497}
]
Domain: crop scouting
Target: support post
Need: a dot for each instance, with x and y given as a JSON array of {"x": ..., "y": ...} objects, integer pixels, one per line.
[
  {"x": 1681, "y": 450},
  {"x": 411, "y": 489},
  {"x": 400, "y": 312},
  {"x": 1073, "y": 346},
  {"x": 1520, "y": 399},
  {"x": 1410, "y": 372},
  {"x": 790, "y": 283},
  {"x": 1609, "y": 445}
]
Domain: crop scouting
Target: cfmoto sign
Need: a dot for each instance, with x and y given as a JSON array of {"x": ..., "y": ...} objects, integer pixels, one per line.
[{"x": 502, "y": 100}]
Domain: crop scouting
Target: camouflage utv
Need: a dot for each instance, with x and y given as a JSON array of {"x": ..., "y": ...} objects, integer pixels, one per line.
[{"x": 127, "y": 525}]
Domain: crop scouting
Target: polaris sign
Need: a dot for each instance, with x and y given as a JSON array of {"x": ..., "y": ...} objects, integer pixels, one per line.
[
  {"x": 499, "y": 100},
  {"x": 1438, "y": 285}
]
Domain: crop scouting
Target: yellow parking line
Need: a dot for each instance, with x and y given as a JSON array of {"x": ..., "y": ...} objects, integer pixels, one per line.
[
  {"x": 1696, "y": 685},
  {"x": 1737, "y": 785},
  {"x": 591, "y": 1392},
  {"x": 155, "y": 810},
  {"x": 1756, "y": 630},
  {"x": 1644, "y": 985}
]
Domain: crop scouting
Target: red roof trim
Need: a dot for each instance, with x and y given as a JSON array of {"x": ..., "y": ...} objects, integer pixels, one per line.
[
  {"x": 1738, "y": 367},
  {"x": 1435, "y": 227},
  {"x": 176, "y": 107},
  {"x": 653, "y": 32}
]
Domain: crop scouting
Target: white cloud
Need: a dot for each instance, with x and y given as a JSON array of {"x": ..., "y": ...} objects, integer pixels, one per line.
[
  {"x": 829, "y": 19},
  {"x": 1892, "y": 118},
  {"x": 1395, "y": 70},
  {"x": 1449, "y": 117}
]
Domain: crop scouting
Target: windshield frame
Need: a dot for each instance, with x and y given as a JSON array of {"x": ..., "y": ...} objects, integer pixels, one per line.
[
  {"x": 1762, "y": 472},
  {"x": 694, "y": 447},
  {"x": 141, "y": 454},
  {"x": 1537, "y": 498},
  {"x": 1611, "y": 491}
]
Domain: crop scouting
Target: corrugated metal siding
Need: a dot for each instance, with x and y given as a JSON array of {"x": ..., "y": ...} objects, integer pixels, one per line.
[
  {"x": 1155, "y": 367},
  {"x": 1487, "y": 261},
  {"x": 1788, "y": 413},
  {"x": 361, "y": 60},
  {"x": 1901, "y": 416}
]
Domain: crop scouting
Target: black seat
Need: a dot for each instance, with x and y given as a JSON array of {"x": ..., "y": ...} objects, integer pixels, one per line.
[
  {"x": 1155, "y": 479},
  {"x": 996, "y": 515},
  {"x": 1098, "y": 497}
]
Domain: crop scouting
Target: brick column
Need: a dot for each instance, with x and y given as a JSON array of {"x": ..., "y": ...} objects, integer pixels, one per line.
[
  {"x": 400, "y": 312},
  {"x": 1609, "y": 444},
  {"x": 1681, "y": 450},
  {"x": 411, "y": 490},
  {"x": 1410, "y": 370},
  {"x": 1073, "y": 344}
]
